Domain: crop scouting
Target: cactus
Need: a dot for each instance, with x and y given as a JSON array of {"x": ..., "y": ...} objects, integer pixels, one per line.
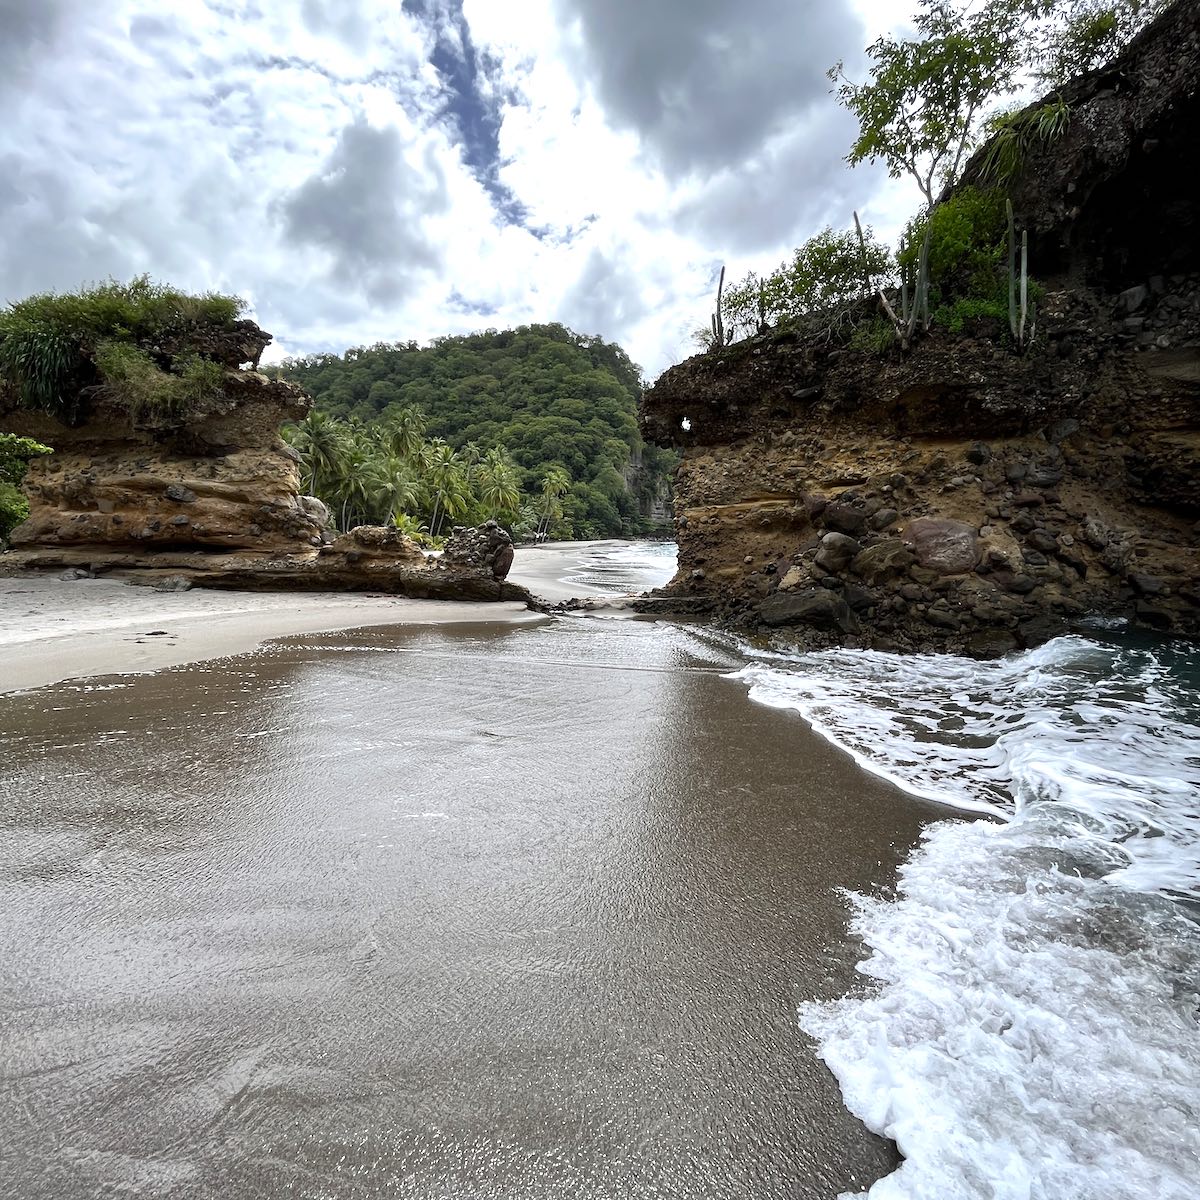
[
  {"x": 905, "y": 324},
  {"x": 720, "y": 335},
  {"x": 1020, "y": 312}
]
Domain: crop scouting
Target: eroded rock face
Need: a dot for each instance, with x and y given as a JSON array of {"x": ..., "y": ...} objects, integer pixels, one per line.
[
  {"x": 214, "y": 498},
  {"x": 993, "y": 497}
]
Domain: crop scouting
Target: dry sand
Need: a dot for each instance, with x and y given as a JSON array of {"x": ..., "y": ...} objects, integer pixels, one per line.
[{"x": 51, "y": 630}]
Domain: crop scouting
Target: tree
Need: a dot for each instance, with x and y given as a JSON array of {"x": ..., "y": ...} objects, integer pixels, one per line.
[
  {"x": 555, "y": 484},
  {"x": 321, "y": 443},
  {"x": 446, "y": 480},
  {"x": 828, "y": 272},
  {"x": 499, "y": 483},
  {"x": 919, "y": 112}
]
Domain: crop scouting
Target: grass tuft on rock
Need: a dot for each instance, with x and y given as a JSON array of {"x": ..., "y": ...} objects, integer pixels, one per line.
[{"x": 58, "y": 349}]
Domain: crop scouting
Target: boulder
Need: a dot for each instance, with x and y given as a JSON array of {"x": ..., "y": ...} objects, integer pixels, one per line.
[
  {"x": 818, "y": 607},
  {"x": 837, "y": 552},
  {"x": 843, "y": 517},
  {"x": 943, "y": 545},
  {"x": 884, "y": 559}
]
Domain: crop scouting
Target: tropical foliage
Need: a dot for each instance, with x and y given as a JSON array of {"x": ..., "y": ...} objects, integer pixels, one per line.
[
  {"x": 58, "y": 350},
  {"x": 928, "y": 99},
  {"x": 829, "y": 271},
  {"x": 473, "y": 427},
  {"x": 15, "y": 455}
]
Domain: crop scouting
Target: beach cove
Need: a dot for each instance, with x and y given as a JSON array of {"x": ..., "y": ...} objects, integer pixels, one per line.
[{"x": 511, "y": 909}]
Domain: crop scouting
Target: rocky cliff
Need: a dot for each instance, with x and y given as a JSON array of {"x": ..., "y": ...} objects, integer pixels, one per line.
[
  {"x": 965, "y": 497},
  {"x": 212, "y": 496}
]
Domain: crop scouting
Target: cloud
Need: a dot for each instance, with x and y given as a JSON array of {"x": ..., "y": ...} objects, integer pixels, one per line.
[
  {"x": 366, "y": 207},
  {"x": 365, "y": 171},
  {"x": 704, "y": 82}
]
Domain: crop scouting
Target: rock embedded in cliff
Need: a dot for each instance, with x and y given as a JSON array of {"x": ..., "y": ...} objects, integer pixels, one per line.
[
  {"x": 843, "y": 517},
  {"x": 818, "y": 607},
  {"x": 884, "y": 559},
  {"x": 943, "y": 545},
  {"x": 837, "y": 551}
]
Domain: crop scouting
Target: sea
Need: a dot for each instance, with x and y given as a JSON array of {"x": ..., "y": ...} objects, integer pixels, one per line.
[
  {"x": 581, "y": 908},
  {"x": 1026, "y": 1028}
]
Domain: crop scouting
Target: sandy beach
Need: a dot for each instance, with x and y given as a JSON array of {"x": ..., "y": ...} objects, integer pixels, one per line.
[{"x": 53, "y": 630}]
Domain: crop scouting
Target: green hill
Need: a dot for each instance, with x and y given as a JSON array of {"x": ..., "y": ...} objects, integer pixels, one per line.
[{"x": 540, "y": 397}]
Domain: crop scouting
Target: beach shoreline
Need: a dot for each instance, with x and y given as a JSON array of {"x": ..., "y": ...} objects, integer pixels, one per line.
[{"x": 53, "y": 630}]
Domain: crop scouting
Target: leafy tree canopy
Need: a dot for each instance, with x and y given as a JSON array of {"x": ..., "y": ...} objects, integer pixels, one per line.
[
  {"x": 548, "y": 402},
  {"x": 15, "y": 455}
]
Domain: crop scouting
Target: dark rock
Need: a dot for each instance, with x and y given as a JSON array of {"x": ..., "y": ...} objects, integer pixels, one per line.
[
  {"x": 884, "y": 559},
  {"x": 1035, "y": 558},
  {"x": 942, "y": 617},
  {"x": 1043, "y": 540},
  {"x": 1130, "y": 300},
  {"x": 837, "y": 551},
  {"x": 180, "y": 494},
  {"x": 883, "y": 518},
  {"x": 979, "y": 453},
  {"x": 990, "y": 643},
  {"x": 857, "y": 597},
  {"x": 1028, "y": 500},
  {"x": 1153, "y": 615},
  {"x": 1043, "y": 476},
  {"x": 943, "y": 545},
  {"x": 817, "y": 607},
  {"x": 1016, "y": 473},
  {"x": 1146, "y": 585},
  {"x": 845, "y": 518},
  {"x": 1039, "y": 630},
  {"x": 1022, "y": 585},
  {"x": 182, "y": 520}
]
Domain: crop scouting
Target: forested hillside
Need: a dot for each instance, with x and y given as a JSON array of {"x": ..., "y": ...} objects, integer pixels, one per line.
[{"x": 553, "y": 413}]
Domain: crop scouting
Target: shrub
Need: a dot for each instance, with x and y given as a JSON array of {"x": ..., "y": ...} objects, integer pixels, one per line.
[
  {"x": 828, "y": 272},
  {"x": 15, "y": 454},
  {"x": 49, "y": 343},
  {"x": 954, "y": 316},
  {"x": 967, "y": 245},
  {"x": 1014, "y": 134},
  {"x": 133, "y": 379}
]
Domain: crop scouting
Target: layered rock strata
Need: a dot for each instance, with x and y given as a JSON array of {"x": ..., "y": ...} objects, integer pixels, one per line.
[
  {"x": 961, "y": 498},
  {"x": 212, "y": 497}
]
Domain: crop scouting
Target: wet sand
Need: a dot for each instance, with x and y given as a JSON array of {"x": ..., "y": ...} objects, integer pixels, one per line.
[
  {"x": 517, "y": 912},
  {"x": 52, "y": 630}
]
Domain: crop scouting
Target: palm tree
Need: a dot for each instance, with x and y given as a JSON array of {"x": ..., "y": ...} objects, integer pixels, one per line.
[
  {"x": 555, "y": 484},
  {"x": 405, "y": 433},
  {"x": 499, "y": 483},
  {"x": 446, "y": 481},
  {"x": 390, "y": 487},
  {"x": 321, "y": 442}
]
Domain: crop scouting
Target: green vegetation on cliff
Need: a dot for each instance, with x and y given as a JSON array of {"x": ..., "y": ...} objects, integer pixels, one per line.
[
  {"x": 15, "y": 455},
  {"x": 58, "y": 351},
  {"x": 928, "y": 100},
  {"x": 474, "y": 426}
]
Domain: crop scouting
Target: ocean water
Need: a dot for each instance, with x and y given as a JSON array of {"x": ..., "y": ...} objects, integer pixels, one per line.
[
  {"x": 623, "y": 567},
  {"x": 1028, "y": 1025}
]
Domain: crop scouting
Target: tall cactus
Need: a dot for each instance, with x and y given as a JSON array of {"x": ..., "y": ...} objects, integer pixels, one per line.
[
  {"x": 720, "y": 336},
  {"x": 1020, "y": 312}
]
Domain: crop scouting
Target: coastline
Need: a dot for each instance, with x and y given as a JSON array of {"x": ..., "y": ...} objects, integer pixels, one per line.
[{"x": 52, "y": 630}]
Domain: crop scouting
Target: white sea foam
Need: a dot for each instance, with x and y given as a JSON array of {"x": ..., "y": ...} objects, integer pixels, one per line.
[{"x": 1032, "y": 1029}]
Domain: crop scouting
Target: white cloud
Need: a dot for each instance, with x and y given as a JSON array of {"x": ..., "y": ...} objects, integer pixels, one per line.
[{"x": 326, "y": 158}]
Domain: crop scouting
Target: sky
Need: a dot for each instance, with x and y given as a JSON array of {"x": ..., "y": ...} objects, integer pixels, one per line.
[{"x": 395, "y": 170}]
